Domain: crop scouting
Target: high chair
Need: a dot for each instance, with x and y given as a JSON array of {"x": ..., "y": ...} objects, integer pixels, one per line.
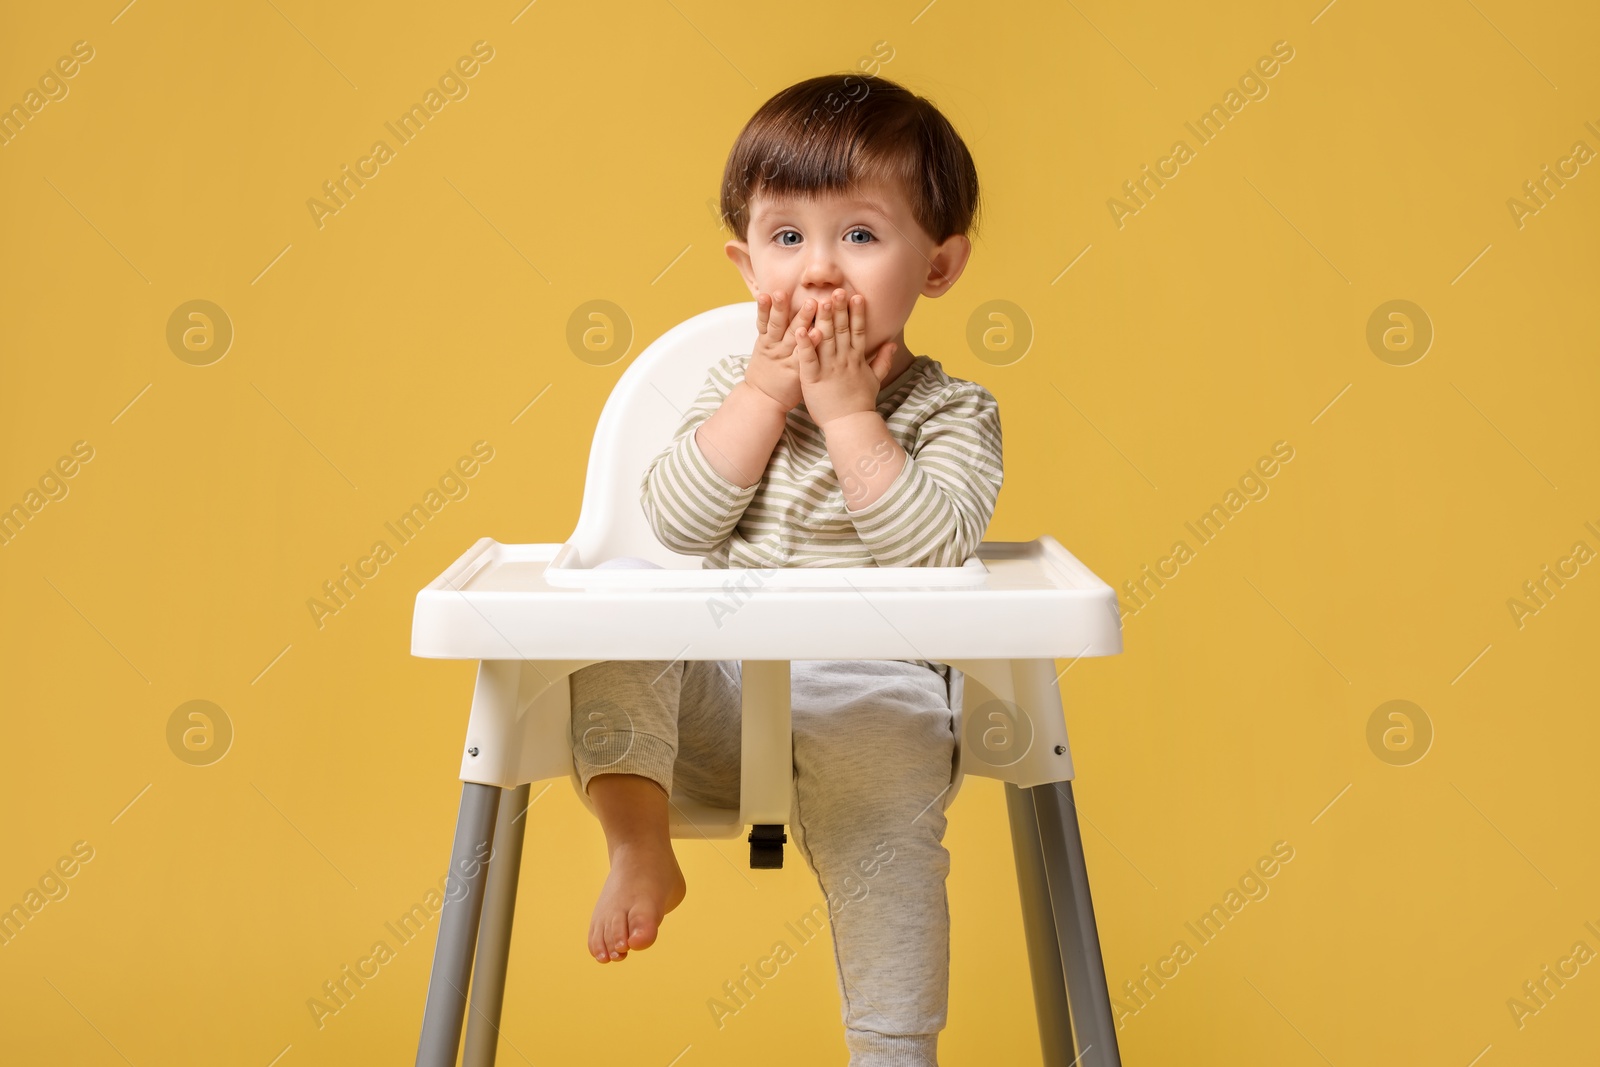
[{"x": 532, "y": 614}]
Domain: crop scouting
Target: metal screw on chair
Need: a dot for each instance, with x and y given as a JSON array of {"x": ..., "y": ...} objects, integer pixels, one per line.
[
  {"x": 1060, "y": 750},
  {"x": 474, "y": 751}
]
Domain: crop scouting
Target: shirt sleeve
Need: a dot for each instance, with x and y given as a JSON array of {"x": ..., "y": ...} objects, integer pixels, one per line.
[
  {"x": 936, "y": 511},
  {"x": 691, "y": 508}
]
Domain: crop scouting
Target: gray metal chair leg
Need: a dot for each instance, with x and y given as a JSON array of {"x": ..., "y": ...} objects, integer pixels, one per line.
[
  {"x": 1039, "y": 926},
  {"x": 1090, "y": 1001},
  {"x": 494, "y": 934},
  {"x": 458, "y": 926}
]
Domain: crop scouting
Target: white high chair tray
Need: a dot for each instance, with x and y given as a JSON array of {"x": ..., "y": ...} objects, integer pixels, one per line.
[
  {"x": 1013, "y": 600},
  {"x": 561, "y": 572}
]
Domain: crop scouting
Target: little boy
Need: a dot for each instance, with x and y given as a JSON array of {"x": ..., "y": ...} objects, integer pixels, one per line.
[{"x": 829, "y": 445}]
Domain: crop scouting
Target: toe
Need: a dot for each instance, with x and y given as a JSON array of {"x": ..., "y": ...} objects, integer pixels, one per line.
[
  {"x": 642, "y": 928},
  {"x": 616, "y": 935}
]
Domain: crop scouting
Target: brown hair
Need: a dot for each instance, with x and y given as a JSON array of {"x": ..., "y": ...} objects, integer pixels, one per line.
[{"x": 837, "y": 131}]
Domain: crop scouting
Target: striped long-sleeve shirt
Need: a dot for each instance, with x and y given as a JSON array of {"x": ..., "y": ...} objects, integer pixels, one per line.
[{"x": 933, "y": 515}]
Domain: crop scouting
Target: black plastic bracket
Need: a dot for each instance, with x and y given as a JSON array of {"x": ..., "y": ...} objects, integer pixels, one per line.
[{"x": 766, "y": 846}]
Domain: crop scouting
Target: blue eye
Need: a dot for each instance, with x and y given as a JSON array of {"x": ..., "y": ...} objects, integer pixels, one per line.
[{"x": 778, "y": 237}]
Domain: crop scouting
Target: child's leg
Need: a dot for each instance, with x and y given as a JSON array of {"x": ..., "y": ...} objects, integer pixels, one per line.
[
  {"x": 710, "y": 722},
  {"x": 874, "y": 750},
  {"x": 624, "y": 742},
  {"x": 624, "y": 747}
]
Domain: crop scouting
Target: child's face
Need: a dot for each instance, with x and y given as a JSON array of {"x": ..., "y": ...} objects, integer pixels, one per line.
[{"x": 864, "y": 241}]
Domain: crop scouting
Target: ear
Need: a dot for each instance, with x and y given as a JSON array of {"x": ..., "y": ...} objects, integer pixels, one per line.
[
  {"x": 739, "y": 252},
  {"x": 946, "y": 263}
]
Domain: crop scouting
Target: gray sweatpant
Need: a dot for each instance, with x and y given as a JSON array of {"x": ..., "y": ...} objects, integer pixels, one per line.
[{"x": 874, "y": 749}]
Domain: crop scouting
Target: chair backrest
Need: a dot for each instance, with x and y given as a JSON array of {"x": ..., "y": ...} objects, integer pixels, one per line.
[{"x": 646, "y": 405}]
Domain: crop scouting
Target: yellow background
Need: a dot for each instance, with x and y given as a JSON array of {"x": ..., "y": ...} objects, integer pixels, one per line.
[{"x": 1227, "y": 314}]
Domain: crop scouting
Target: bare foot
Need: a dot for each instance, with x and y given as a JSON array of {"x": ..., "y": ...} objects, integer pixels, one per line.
[{"x": 644, "y": 884}]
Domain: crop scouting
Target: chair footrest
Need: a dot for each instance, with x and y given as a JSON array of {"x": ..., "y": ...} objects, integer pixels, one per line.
[{"x": 766, "y": 846}]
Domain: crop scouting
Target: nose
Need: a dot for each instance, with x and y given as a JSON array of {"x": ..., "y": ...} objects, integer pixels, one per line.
[{"x": 821, "y": 276}]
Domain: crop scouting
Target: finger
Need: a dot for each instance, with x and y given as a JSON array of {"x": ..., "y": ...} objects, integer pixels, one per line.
[
  {"x": 825, "y": 316},
  {"x": 858, "y": 322},
  {"x": 824, "y": 331},
  {"x": 805, "y": 314},
  {"x": 780, "y": 313},
  {"x": 839, "y": 323},
  {"x": 883, "y": 361},
  {"x": 763, "y": 306},
  {"x": 805, "y": 354},
  {"x": 827, "y": 353}
]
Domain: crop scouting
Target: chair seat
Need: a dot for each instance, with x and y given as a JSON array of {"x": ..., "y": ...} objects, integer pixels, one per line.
[{"x": 686, "y": 817}]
